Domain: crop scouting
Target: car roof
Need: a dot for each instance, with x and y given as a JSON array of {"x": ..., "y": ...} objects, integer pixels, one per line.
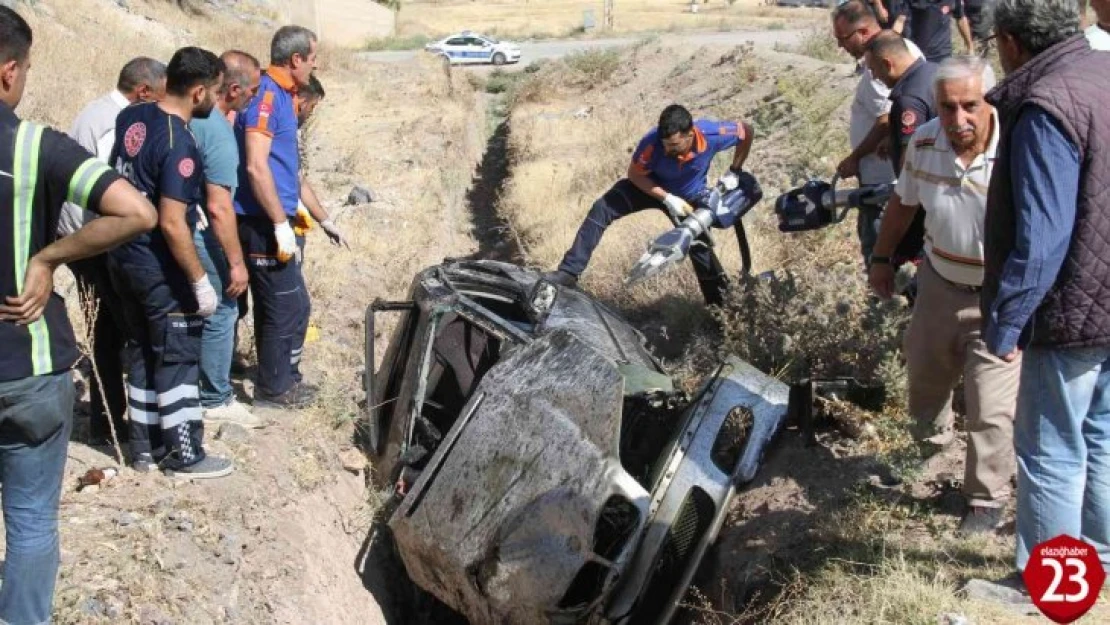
[{"x": 467, "y": 33}]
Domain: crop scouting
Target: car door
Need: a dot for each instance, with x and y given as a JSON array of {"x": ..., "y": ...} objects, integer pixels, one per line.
[
  {"x": 478, "y": 50},
  {"x": 456, "y": 48}
]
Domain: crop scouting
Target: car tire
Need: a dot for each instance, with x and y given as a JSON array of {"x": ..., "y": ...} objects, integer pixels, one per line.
[{"x": 498, "y": 58}]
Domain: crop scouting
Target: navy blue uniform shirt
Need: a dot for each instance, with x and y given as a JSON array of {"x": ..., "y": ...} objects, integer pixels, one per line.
[
  {"x": 158, "y": 154},
  {"x": 913, "y": 102}
]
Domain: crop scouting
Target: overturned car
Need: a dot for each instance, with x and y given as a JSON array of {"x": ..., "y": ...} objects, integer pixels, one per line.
[{"x": 546, "y": 468}]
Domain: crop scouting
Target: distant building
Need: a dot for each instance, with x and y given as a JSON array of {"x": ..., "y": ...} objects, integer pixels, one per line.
[{"x": 341, "y": 22}]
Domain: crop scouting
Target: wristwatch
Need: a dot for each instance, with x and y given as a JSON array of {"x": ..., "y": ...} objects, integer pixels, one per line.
[{"x": 880, "y": 260}]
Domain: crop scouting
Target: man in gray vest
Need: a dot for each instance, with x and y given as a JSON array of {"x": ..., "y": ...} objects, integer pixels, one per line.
[{"x": 1047, "y": 279}]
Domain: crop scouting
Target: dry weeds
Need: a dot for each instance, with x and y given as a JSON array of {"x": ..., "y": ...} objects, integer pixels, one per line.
[{"x": 561, "y": 18}]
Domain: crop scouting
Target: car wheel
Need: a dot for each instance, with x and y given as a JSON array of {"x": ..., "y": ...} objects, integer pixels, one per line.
[{"x": 498, "y": 59}]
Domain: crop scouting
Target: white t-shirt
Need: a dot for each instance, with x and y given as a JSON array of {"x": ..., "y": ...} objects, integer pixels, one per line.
[
  {"x": 872, "y": 100},
  {"x": 95, "y": 130},
  {"x": 954, "y": 199}
]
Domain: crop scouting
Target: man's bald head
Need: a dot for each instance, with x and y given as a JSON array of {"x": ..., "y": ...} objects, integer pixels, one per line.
[
  {"x": 888, "y": 56},
  {"x": 241, "y": 79},
  {"x": 854, "y": 24}
]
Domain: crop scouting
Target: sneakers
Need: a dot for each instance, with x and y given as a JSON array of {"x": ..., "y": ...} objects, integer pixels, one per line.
[
  {"x": 209, "y": 468},
  {"x": 562, "y": 278},
  {"x": 297, "y": 397},
  {"x": 143, "y": 463},
  {"x": 980, "y": 520},
  {"x": 233, "y": 412}
]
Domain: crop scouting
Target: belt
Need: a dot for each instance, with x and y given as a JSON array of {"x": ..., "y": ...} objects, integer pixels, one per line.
[{"x": 967, "y": 288}]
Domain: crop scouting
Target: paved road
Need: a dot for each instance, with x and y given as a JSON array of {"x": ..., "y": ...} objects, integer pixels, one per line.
[{"x": 531, "y": 51}]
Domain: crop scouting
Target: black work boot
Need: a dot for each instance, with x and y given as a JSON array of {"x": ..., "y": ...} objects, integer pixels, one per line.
[
  {"x": 297, "y": 397},
  {"x": 562, "y": 278}
]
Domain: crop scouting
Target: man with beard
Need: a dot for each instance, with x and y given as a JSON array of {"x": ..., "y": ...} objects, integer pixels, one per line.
[
  {"x": 946, "y": 172},
  {"x": 141, "y": 79},
  {"x": 160, "y": 274}
]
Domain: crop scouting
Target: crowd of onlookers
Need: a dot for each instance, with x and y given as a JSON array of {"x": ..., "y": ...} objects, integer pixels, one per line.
[
  {"x": 175, "y": 195},
  {"x": 1003, "y": 202}
]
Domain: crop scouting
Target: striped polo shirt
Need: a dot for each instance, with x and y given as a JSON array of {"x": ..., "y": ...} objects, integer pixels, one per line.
[
  {"x": 954, "y": 199},
  {"x": 40, "y": 169}
]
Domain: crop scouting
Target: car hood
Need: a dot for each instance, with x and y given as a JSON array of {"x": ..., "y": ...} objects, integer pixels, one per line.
[{"x": 503, "y": 518}]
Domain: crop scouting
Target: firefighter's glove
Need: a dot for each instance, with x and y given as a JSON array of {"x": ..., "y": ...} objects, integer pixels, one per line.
[
  {"x": 286, "y": 241},
  {"x": 677, "y": 207},
  {"x": 333, "y": 233},
  {"x": 729, "y": 181},
  {"x": 207, "y": 299}
]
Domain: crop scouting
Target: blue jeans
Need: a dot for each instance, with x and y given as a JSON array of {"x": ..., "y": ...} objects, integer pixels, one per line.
[
  {"x": 32, "y": 464},
  {"x": 1062, "y": 439},
  {"x": 218, "y": 340}
]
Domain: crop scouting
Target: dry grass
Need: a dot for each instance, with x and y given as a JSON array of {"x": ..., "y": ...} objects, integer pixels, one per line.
[{"x": 561, "y": 18}]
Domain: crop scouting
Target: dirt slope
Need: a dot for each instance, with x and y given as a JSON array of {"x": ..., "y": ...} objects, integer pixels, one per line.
[{"x": 282, "y": 540}]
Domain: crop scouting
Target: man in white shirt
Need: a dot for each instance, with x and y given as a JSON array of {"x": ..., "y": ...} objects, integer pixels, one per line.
[
  {"x": 141, "y": 80},
  {"x": 854, "y": 26},
  {"x": 946, "y": 172}
]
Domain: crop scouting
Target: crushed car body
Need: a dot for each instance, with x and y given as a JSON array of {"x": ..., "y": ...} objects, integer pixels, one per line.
[{"x": 548, "y": 469}]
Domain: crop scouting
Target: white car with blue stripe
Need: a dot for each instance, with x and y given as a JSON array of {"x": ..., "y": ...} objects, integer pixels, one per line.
[{"x": 468, "y": 47}]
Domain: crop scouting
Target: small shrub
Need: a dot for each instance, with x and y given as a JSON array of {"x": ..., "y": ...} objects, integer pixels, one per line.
[
  {"x": 815, "y": 322},
  {"x": 593, "y": 67},
  {"x": 821, "y": 45}
]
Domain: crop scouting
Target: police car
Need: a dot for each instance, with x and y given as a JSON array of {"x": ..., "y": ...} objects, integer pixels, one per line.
[{"x": 468, "y": 47}]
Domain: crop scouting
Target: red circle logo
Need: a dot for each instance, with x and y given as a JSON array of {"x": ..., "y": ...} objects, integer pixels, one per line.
[
  {"x": 1064, "y": 577},
  {"x": 186, "y": 167},
  {"x": 134, "y": 138}
]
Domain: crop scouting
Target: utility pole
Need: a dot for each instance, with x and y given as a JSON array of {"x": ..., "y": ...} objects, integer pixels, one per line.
[{"x": 608, "y": 17}]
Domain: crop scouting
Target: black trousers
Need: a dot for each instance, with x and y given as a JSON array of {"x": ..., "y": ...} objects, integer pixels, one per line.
[
  {"x": 281, "y": 307},
  {"x": 162, "y": 385},
  {"x": 625, "y": 198},
  {"x": 109, "y": 336}
]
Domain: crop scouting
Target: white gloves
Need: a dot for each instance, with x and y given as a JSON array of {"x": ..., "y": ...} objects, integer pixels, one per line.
[
  {"x": 333, "y": 233},
  {"x": 207, "y": 299},
  {"x": 286, "y": 241},
  {"x": 729, "y": 180},
  {"x": 677, "y": 207}
]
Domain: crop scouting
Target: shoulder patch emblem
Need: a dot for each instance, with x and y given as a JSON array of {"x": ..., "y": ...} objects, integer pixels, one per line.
[
  {"x": 186, "y": 167},
  {"x": 134, "y": 138},
  {"x": 909, "y": 121}
]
